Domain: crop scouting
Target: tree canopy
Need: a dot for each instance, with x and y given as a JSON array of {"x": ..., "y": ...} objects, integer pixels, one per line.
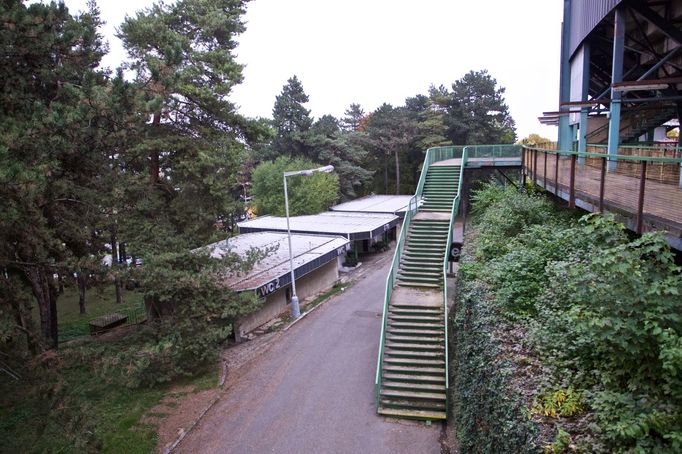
[{"x": 307, "y": 195}]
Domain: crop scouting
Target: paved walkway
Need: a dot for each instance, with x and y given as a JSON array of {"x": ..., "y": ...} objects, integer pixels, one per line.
[{"x": 313, "y": 392}]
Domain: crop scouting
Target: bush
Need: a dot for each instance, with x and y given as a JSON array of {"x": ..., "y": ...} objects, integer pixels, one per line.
[{"x": 605, "y": 315}]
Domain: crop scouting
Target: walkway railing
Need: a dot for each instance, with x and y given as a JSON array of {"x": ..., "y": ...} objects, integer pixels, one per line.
[
  {"x": 635, "y": 184},
  {"x": 433, "y": 155}
]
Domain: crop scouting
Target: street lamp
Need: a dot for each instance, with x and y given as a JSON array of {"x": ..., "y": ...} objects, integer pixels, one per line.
[{"x": 295, "y": 310}]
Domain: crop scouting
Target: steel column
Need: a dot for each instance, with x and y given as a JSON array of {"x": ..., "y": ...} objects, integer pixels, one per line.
[
  {"x": 582, "y": 138},
  {"x": 616, "y": 76}
]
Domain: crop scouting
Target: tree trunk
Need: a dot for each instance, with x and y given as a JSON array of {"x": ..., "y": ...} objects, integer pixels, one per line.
[
  {"x": 115, "y": 265},
  {"x": 397, "y": 173},
  {"x": 386, "y": 178},
  {"x": 46, "y": 296},
  {"x": 81, "y": 279},
  {"x": 154, "y": 156}
]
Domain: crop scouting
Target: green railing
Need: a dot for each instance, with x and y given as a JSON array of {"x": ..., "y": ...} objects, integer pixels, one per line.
[{"x": 434, "y": 154}]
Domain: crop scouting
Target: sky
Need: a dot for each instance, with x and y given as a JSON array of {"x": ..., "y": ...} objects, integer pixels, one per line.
[{"x": 375, "y": 51}]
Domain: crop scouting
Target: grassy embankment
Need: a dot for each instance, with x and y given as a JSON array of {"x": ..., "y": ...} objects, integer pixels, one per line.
[{"x": 567, "y": 333}]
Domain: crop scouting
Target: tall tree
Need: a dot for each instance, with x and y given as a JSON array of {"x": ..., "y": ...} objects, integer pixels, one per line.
[
  {"x": 390, "y": 131},
  {"x": 477, "y": 112},
  {"x": 344, "y": 150},
  {"x": 291, "y": 120},
  {"x": 194, "y": 140},
  {"x": 352, "y": 121},
  {"x": 49, "y": 189}
]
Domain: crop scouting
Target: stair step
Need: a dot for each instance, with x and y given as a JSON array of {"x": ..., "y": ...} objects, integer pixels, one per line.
[
  {"x": 412, "y": 386},
  {"x": 412, "y": 414},
  {"x": 416, "y": 332},
  {"x": 415, "y": 310},
  {"x": 418, "y": 379},
  {"x": 415, "y": 326},
  {"x": 418, "y": 395},
  {"x": 414, "y": 346},
  {"x": 416, "y": 339},
  {"x": 415, "y": 318},
  {"x": 417, "y": 284},
  {"x": 408, "y": 354},
  {"x": 400, "y": 369},
  {"x": 413, "y": 404}
]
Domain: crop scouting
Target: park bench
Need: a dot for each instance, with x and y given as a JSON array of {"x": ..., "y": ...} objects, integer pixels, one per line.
[{"x": 105, "y": 323}]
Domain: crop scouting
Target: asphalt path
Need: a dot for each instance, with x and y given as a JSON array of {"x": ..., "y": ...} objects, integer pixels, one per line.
[{"x": 313, "y": 390}]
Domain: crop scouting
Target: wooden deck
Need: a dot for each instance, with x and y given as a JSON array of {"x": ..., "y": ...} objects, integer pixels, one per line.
[{"x": 662, "y": 208}]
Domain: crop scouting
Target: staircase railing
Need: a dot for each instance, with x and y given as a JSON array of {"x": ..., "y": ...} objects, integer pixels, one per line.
[{"x": 433, "y": 155}]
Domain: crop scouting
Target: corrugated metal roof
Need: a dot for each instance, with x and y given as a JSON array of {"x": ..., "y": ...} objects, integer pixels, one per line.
[
  {"x": 585, "y": 16},
  {"x": 310, "y": 252},
  {"x": 376, "y": 204},
  {"x": 352, "y": 225}
]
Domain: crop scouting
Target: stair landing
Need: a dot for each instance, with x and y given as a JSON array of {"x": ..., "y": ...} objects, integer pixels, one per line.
[{"x": 414, "y": 296}]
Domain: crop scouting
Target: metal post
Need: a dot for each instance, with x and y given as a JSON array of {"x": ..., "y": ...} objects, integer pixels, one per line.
[
  {"x": 523, "y": 167},
  {"x": 544, "y": 173},
  {"x": 616, "y": 76},
  {"x": 556, "y": 174},
  {"x": 602, "y": 183},
  {"x": 535, "y": 167},
  {"x": 640, "y": 205},
  {"x": 295, "y": 310},
  {"x": 571, "y": 196}
]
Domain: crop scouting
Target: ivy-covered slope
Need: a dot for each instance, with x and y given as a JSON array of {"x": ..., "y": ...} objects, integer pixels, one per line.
[{"x": 566, "y": 333}]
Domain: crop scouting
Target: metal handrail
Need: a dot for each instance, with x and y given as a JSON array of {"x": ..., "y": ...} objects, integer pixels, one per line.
[{"x": 610, "y": 157}]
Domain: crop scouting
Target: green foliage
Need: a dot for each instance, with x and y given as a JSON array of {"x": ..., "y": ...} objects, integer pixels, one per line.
[
  {"x": 307, "y": 195},
  {"x": 604, "y": 312},
  {"x": 559, "y": 403},
  {"x": 506, "y": 218},
  {"x": 560, "y": 444},
  {"x": 489, "y": 413}
]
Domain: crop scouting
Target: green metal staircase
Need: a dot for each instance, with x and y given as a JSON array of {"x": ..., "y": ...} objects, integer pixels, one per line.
[
  {"x": 412, "y": 365},
  {"x": 440, "y": 188},
  {"x": 413, "y": 375}
]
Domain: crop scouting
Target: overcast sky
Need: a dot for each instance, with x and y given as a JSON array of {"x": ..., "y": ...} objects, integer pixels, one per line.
[{"x": 375, "y": 51}]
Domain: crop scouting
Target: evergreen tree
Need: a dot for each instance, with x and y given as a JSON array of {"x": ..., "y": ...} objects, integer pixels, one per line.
[
  {"x": 353, "y": 118},
  {"x": 291, "y": 120},
  {"x": 194, "y": 141},
  {"x": 344, "y": 150},
  {"x": 49, "y": 158},
  {"x": 477, "y": 112},
  {"x": 390, "y": 131}
]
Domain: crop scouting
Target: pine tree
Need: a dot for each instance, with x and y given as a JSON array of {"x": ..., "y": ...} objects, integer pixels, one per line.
[
  {"x": 291, "y": 120},
  {"x": 477, "y": 112},
  {"x": 194, "y": 140},
  {"x": 353, "y": 118},
  {"x": 49, "y": 161}
]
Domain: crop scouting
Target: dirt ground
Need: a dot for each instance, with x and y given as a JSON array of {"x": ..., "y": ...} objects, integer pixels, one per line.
[{"x": 182, "y": 407}]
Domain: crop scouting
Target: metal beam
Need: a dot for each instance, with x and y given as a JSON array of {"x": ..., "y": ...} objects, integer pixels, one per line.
[{"x": 659, "y": 22}]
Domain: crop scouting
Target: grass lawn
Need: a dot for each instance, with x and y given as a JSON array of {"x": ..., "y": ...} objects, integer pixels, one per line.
[
  {"x": 97, "y": 303},
  {"x": 70, "y": 408}
]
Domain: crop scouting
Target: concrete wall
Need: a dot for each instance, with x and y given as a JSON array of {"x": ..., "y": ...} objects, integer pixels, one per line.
[{"x": 276, "y": 303}]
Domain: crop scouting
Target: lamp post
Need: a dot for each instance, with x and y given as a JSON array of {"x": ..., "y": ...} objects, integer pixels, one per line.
[{"x": 295, "y": 310}]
